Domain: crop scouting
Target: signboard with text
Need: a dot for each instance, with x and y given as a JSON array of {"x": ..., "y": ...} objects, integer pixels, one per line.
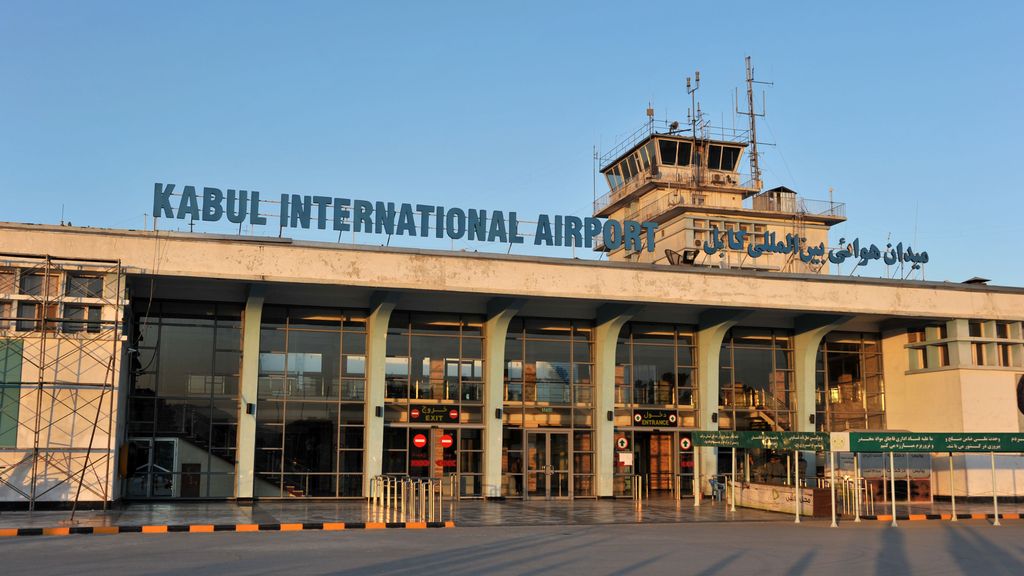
[
  {"x": 928, "y": 442},
  {"x": 815, "y": 441},
  {"x": 434, "y": 413},
  {"x": 666, "y": 418}
]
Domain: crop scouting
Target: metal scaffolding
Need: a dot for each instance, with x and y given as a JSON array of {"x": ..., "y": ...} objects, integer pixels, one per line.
[{"x": 66, "y": 323}]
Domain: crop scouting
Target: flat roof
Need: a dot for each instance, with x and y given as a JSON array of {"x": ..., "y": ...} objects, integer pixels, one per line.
[{"x": 550, "y": 260}]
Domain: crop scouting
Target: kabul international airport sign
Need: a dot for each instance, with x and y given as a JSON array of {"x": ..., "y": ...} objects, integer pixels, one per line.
[
  {"x": 927, "y": 442},
  {"x": 424, "y": 220},
  {"x": 768, "y": 243}
]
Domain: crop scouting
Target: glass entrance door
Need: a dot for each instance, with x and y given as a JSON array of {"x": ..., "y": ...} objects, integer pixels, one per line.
[{"x": 547, "y": 457}]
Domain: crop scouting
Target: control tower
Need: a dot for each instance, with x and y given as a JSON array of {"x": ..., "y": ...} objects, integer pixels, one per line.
[{"x": 688, "y": 180}]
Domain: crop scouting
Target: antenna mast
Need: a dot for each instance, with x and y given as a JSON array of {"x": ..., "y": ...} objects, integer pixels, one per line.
[
  {"x": 691, "y": 89},
  {"x": 750, "y": 112}
]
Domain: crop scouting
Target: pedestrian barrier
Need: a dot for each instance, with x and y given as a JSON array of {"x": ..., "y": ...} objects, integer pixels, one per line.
[
  {"x": 406, "y": 499},
  {"x": 638, "y": 487}
]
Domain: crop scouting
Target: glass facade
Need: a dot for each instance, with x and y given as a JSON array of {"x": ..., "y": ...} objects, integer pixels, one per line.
[
  {"x": 655, "y": 394},
  {"x": 310, "y": 411},
  {"x": 183, "y": 400},
  {"x": 434, "y": 398},
  {"x": 756, "y": 387},
  {"x": 548, "y": 388},
  {"x": 310, "y": 403},
  {"x": 849, "y": 391}
]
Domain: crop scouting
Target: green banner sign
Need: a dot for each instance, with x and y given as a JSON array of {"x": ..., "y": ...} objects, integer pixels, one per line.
[
  {"x": 930, "y": 442},
  {"x": 815, "y": 441}
]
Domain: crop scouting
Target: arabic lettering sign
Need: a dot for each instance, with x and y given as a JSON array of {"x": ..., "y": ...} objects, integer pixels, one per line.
[
  {"x": 434, "y": 413},
  {"x": 768, "y": 243},
  {"x": 769, "y": 440},
  {"x": 936, "y": 442},
  {"x": 654, "y": 418}
]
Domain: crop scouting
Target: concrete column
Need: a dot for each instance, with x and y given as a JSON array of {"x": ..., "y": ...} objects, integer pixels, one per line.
[
  {"x": 500, "y": 312},
  {"x": 988, "y": 330},
  {"x": 958, "y": 331},
  {"x": 808, "y": 334},
  {"x": 809, "y": 330},
  {"x": 381, "y": 306},
  {"x": 610, "y": 319},
  {"x": 931, "y": 353},
  {"x": 711, "y": 331},
  {"x": 248, "y": 386},
  {"x": 1016, "y": 350}
]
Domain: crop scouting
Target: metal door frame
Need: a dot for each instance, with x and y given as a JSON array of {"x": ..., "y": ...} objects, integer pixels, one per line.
[{"x": 548, "y": 472}]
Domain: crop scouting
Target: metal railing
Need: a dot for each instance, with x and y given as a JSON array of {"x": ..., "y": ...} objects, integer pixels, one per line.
[
  {"x": 854, "y": 496},
  {"x": 690, "y": 198},
  {"x": 709, "y": 199},
  {"x": 652, "y": 127},
  {"x": 637, "y": 489},
  {"x": 406, "y": 499}
]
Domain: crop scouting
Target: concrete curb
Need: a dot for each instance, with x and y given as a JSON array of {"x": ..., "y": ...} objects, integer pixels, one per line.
[
  {"x": 916, "y": 517},
  {"x": 205, "y": 528}
]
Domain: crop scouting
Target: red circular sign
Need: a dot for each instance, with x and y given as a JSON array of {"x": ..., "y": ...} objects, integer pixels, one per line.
[
  {"x": 453, "y": 414},
  {"x": 414, "y": 414},
  {"x": 446, "y": 441},
  {"x": 419, "y": 440}
]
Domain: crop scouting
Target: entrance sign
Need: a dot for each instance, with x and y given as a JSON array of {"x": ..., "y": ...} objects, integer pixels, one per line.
[
  {"x": 654, "y": 418},
  {"x": 811, "y": 441},
  {"x": 685, "y": 443},
  {"x": 434, "y": 413},
  {"x": 622, "y": 443},
  {"x": 344, "y": 214}
]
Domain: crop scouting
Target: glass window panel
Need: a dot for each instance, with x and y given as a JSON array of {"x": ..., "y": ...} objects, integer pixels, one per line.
[
  {"x": 472, "y": 347},
  {"x": 353, "y": 390},
  {"x": 548, "y": 328},
  {"x": 314, "y": 319},
  {"x": 310, "y": 443},
  {"x": 683, "y": 158},
  {"x": 353, "y": 365},
  {"x": 714, "y": 156},
  {"x": 748, "y": 337},
  {"x": 186, "y": 359},
  {"x": 81, "y": 286},
  {"x": 441, "y": 324}
]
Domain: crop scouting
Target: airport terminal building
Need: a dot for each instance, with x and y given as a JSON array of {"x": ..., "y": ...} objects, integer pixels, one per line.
[{"x": 155, "y": 365}]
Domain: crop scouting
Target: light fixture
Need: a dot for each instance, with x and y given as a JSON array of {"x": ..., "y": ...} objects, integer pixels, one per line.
[
  {"x": 497, "y": 413},
  {"x": 378, "y": 411},
  {"x": 811, "y": 418},
  {"x": 610, "y": 415},
  {"x": 714, "y": 417}
]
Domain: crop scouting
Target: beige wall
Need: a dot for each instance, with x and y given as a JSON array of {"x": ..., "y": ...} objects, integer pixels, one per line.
[
  {"x": 952, "y": 399},
  {"x": 198, "y": 255}
]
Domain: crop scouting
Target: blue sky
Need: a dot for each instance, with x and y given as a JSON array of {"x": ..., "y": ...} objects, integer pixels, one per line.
[{"x": 909, "y": 111}]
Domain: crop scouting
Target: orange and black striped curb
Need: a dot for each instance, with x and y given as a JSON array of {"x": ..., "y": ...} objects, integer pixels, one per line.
[
  {"x": 163, "y": 529},
  {"x": 916, "y": 517}
]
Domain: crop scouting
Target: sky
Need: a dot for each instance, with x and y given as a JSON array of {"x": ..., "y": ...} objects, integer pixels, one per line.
[{"x": 908, "y": 111}]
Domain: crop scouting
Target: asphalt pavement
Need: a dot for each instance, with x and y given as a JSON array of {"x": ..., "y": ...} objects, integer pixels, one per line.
[{"x": 933, "y": 548}]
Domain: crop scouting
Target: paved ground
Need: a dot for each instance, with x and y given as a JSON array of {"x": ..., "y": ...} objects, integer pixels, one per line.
[
  {"x": 933, "y": 548},
  {"x": 464, "y": 513}
]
